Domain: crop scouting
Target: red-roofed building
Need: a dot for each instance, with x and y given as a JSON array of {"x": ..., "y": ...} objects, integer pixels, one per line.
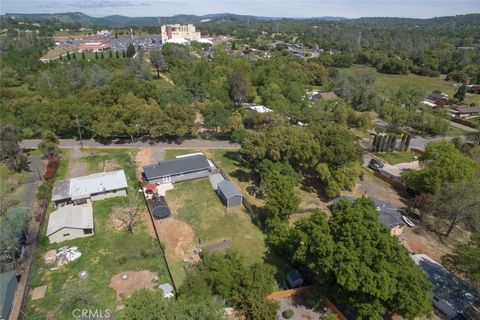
[{"x": 93, "y": 47}]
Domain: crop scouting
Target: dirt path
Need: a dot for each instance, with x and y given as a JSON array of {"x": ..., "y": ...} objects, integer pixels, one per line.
[
  {"x": 76, "y": 167},
  {"x": 147, "y": 156},
  {"x": 177, "y": 236},
  {"x": 164, "y": 77}
]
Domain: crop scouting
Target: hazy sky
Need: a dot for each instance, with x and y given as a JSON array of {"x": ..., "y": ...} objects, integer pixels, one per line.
[{"x": 271, "y": 8}]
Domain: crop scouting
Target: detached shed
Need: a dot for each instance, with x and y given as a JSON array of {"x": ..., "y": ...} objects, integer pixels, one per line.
[
  {"x": 229, "y": 194},
  {"x": 294, "y": 278},
  {"x": 70, "y": 222}
]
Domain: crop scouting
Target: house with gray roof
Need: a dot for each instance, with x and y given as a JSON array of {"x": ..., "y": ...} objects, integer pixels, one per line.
[
  {"x": 85, "y": 189},
  {"x": 229, "y": 194},
  {"x": 450, "y": 294},
  {"x": 70, "y": 222},
  {"x": 387, "y": 215},
  {"x": 181, "y": 168}
]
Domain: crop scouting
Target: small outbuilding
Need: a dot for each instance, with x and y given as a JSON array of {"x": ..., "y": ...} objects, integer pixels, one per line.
[
  {"x": 70, "y": 222},
  {"x": 294, "y": 278},
  {"x": 229, "y": 194},
  {"x": 182, "y": 168}
]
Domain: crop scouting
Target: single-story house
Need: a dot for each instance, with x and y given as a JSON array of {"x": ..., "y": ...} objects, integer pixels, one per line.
[
  {"x": 9, "y": 283},
  {"x": 294, "y": 279},
  {"x": 260, "y": 109},
  {"x": 437, "y": 96},
  {"x": 387, "y": 215},
  {"x": 84, "y": 189},
  {"x": 70, "y": 222},
  {"x": 464, "y": 112},
  {"x": 185, "y": 167},
  {"x": 450, "y": 294},
  {"x": 315, "y": 95},
  {"x": 229, "y": 194}
]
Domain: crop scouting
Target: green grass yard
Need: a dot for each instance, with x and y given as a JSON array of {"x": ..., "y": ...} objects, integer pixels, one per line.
[
  {"x": 427, "y": 84},
  {"x": 196, "y": 203},
  {"x": 104, "y": 254},
  {"x": 396, "y": 157}
]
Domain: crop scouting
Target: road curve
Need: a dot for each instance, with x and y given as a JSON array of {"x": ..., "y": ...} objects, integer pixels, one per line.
[{"x": 123, "y": 143}]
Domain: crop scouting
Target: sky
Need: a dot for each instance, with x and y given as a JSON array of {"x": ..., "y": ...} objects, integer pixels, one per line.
[{"x": 269, "y": 8}]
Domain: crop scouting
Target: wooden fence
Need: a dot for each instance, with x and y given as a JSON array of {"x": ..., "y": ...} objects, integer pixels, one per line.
[{"x": 295, "y": 292}]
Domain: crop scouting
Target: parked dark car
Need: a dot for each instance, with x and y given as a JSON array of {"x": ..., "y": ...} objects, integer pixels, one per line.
[{"x": 375, "y": 165}]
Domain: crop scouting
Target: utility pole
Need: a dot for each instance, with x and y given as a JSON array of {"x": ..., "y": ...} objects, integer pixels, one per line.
[{"x": 79, "y": 132}]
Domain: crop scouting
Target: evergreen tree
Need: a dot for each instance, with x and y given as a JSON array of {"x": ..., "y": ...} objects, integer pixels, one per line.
[
  {"x": 102, "y": 56},
  {"x": 130, "y": 50},
  {"x": 96, "y": 55},
  {"x": 110, "y": 54},
  {"x": 407, "y": 143},
  {"x": 460, "y": 94},
  {"x": 374, "y": 143},
  {"x": 83, "y": 55},
  {"x": 68, "y": 55},
  {"x": 74, "y": 56},
  {"x": 123, "y": 53},
  {"x": 60, "y": 57},
  {"x": 117, "y": 55}
]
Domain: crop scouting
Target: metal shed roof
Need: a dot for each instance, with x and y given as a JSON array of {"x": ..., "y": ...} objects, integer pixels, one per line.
[
  {"x": 83, "y": 187},
  {"x": 176, "y": 166},
  {"x": 76, "y": 217},
  {"x": 228, "y": 189}
]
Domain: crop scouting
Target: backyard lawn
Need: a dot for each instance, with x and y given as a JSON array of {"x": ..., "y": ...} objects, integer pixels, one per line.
[
  {"x": 197, "y": 204},
  {"x": 396, "y": 157}
]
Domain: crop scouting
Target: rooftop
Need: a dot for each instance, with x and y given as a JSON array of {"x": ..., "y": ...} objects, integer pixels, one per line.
[
  {"x": 180, "y": 165},
  {"x": 83, "y": 187},
  {"x": 474, "y": 109},
  {"x": 447, "y": 286},
  {"x": 228, "y": 189},
  {"x": 76, "y": 217}
]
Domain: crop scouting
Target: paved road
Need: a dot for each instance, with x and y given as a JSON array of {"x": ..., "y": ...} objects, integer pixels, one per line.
[
  {"x": 194, "y": 143},
  {"x": 461, "y": 126}
]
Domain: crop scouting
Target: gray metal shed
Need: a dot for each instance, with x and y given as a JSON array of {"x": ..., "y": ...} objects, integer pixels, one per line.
[{"x": 229, "y": 194}]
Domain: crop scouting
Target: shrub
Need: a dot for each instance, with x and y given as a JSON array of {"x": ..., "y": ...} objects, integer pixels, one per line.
[{"x": 287, "y": 314}]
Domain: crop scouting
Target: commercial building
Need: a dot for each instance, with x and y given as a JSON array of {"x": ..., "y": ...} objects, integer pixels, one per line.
[
  {"x": 70, "y": 222},
  {"x": 178, "y": 31},
  {"x": 93, "y": 47},
  {"x": 89, "y": 188}
]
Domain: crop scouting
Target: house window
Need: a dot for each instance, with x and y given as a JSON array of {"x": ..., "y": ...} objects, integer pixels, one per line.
[{"x": 66, "y": 234}]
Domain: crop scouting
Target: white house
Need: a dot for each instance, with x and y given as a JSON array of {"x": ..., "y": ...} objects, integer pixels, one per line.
[
  {"x": 84, "y": 189},
  {"x": 70, "y": 222}
]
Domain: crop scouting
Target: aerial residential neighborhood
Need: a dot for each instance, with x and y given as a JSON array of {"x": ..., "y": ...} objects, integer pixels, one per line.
[{"x": 290, "y": 160}]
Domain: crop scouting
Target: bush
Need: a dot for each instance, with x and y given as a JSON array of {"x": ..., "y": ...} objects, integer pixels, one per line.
[
  {"x": 287, "y": 314},
  {"x": 42, "y": 191}
]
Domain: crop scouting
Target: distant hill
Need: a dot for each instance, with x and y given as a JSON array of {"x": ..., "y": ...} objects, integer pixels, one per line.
[{"x": 122, "y": 21}]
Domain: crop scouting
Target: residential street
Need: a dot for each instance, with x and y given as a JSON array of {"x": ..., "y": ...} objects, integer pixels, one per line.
[{"x": 127, "y": 143}]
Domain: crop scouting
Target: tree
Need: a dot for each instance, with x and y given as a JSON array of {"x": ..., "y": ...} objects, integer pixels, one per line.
[
  {"x": 83, "y": 55},
  {"x": 49, "y": 144},
  {"x": 101, "y": 55},
  {"x": 96, "y": 55},
  {"x": 124, "y": 54},
  {"x": 158, "y": 61},
  {"x": 240, "y": 89},
  {"x": 10, "y": 150},
  {"x": 282, "y": 199},
  {"x": 68, "y": 55},
  {"x": 130, "y": 50},
  {"x": 355, "y": 257},
  {"x": 12, "y": 230},
  {"x": 466, "y": 259},
  {"x": 131, "y": 209},
  {"x": 117, "y": 55},
  {"x": 74, "y": 56},
  {"x": 110, "y": 54},
  {"x": 442, "y": 164},
  {"x": 460, "y": 94},
  {"x": 78, "y": 294},
  {"x": 456, "y": 203},
  {"x": 216, "y": 115},
  {"x": 235, "y": 121}
]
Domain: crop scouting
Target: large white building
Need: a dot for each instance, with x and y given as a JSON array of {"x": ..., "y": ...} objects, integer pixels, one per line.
[{"x": 178, "y": 32}]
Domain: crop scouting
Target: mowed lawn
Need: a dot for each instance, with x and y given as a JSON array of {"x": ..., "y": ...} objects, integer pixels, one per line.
[
  {"x": 196, "y": 203},
  {"x": 396, "y": 157},
  {"x": 108, "y": 252},
  {"x": 427, "y": 84}
]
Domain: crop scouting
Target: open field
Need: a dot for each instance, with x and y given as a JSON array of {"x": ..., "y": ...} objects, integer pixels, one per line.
[
  {"x": 110, "y": 251},
  {"x": 427, "y": 84},
  {"x": 396, "y": 157}
]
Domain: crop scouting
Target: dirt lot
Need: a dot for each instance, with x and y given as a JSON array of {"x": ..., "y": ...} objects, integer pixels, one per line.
[
  {"x": 135, "y": 280},
  {"x": 147, "y": 156},
  {"x": 301, "y": 309},
  {"x": 177, "y": 236},
  {"x": 76, "y": 167}
]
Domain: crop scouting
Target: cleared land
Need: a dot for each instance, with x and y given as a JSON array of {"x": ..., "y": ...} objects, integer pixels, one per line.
[
  {"x": 107, "y": 253},
  {"x": 427, "y": 84}
]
